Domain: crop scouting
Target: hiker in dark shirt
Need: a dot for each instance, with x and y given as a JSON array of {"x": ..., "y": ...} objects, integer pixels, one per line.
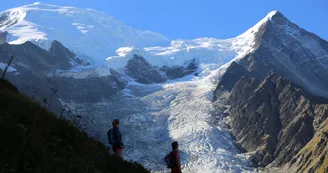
[
  {"x": 118, "y": 143},
  {"x": 176, "y": 164}
]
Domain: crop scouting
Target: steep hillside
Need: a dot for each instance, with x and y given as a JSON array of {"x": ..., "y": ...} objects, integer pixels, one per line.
[
  {"x": 275, "y": 118},
  {"x": 34, "y": 140},
  {"x": 313, "y": 157},
  {"x": 277, "y": 121}
]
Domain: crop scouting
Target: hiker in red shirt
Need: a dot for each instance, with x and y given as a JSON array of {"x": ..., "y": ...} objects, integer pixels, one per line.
[{"x": 176, "y": 164}]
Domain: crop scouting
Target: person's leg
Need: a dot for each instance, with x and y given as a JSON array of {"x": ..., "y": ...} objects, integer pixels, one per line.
[
  {"x": 119, "y": 153},
  {"x": 174, "y": 170}
]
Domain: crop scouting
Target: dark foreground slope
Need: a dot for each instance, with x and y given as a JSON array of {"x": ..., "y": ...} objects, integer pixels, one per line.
[{"x": 34, "y": 140}]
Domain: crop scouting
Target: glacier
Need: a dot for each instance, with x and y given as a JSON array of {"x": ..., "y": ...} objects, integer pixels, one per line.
[{"x": 155, "y": 115}]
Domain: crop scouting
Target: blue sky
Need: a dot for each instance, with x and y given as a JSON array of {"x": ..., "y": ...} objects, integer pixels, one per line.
[{"x": 189, "y": 19}]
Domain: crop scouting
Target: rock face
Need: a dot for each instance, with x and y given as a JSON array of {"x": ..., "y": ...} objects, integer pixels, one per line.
[
  {"x": 3, "y": 37},
  {"x": 228, "y": 80},
  {"x": 30, "y": 58},
  {"x": 290, "y": 51},
  {"x": 277, "y": 95},
  {"x": 138, "y": 68},
  {"x": 274, "y": 118},
  {"x": 36, "y": 70},
  {"x": 179, "y": 71},
  {"x": 313, "y": 157},
  {"x": 143, "y": 72}
]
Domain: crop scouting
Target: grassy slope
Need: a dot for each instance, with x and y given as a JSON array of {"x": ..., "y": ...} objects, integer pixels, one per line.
[
  {"x": 34, "y": 140},
  {"x": 313, "y": 157}
]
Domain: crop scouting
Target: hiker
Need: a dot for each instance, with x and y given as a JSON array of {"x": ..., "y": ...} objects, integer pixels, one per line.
[
  {"x": 173, "y": 159},
  {"x": 115, "y": 138}
]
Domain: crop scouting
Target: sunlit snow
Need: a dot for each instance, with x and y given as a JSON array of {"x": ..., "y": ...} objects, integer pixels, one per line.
[{"x": 87, "y": 32}]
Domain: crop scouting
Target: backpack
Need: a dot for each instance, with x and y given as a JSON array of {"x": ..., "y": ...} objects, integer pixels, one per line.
[
  {"x": 168, "y": 160},
  {"x": 110, "y": 136}
]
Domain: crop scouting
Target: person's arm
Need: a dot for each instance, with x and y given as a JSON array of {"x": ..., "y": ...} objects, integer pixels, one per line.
[
  {"x": 179, "y": 165},
  {"x": 121, "y": 140},
  {"x": 177, "y": 161},
  {"x": 116, "y": 137}
]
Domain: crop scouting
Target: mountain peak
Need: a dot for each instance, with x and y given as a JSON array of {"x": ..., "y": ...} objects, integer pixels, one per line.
[
  {"x": 273, "y": 22},
  {"x": 272, "y": 17},
  {"x": 276, "y": 17},
  {"x": 272, "y": 14}
]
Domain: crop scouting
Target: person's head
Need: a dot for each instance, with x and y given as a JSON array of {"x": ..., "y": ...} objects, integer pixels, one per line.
[
  {"x": 175, "y": 145},
  {"x": 116, "y": 123}
]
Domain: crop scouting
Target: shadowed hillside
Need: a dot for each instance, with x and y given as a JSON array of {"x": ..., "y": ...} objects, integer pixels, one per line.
[{"x": 34, "y": 140}]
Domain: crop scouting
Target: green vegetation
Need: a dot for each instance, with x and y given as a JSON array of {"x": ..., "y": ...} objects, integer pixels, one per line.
[
  {"x": 34, "y": 140},
  {"x": 312, "y": 158}
]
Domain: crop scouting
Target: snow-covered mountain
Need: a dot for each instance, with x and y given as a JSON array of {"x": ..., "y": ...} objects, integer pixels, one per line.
[
  {"x": 276, "y": 115},
  {"x": 89, "y": 33},
  {"x": 284, "y": 48},
  {"x": 96, "y": 36},
  {"x": 209, "y": 53}
]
